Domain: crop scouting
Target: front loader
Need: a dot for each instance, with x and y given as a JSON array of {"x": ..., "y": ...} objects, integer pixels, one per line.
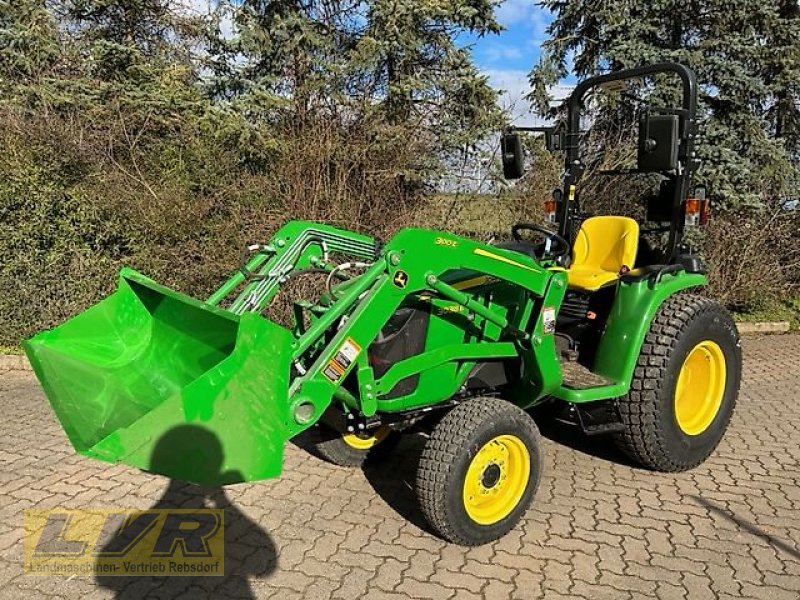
[{"x": 429, "y": 331}]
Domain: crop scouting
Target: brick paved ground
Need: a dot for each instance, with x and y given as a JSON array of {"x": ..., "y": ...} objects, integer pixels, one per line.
[{"x": 600, "y": 528}]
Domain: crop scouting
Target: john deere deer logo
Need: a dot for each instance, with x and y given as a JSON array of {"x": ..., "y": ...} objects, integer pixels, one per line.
[{"x": 400, "y": 279}]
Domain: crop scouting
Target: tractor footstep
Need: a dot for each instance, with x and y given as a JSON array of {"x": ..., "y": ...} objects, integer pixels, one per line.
[{"x": 578, "y": 377}]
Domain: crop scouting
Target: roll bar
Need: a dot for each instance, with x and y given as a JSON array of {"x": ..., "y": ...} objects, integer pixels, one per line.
[{"x": 687, "y": 160}]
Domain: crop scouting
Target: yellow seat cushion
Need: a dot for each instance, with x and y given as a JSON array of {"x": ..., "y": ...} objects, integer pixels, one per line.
[
  {"x": 603, "y": 247},
  {"x": 590, "y": 279}
]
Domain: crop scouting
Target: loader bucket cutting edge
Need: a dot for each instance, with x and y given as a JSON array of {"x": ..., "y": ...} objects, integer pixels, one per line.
[{"x": 158, "y": 380}]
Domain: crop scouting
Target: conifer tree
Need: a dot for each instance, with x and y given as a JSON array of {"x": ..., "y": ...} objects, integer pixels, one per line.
[
  {"x": 394, "y": 59},
  {"x": 746, "y": 54}
]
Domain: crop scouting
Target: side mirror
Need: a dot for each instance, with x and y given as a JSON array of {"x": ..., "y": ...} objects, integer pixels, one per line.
[
  {"x": 513, "y": 155},
  {"x": 658, "y": 143}
]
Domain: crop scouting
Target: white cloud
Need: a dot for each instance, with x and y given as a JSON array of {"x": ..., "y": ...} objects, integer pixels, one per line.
[
  {"x": 510, "y": 12},
  {"x": 514, "y": 86},
  {"x": 524, "y": 12},
  {"x": 540, "y": 19},
  {"x": 199, "y": 8}
]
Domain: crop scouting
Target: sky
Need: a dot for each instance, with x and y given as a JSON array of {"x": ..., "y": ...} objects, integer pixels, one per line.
[{"x": 508, "y": 57}]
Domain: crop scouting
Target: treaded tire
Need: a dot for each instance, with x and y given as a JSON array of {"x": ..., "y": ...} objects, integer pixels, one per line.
[
  {"x": 652, "y": 436},
  {"x": 334, "y": 449},
  {"x": 445, "y": 460}
]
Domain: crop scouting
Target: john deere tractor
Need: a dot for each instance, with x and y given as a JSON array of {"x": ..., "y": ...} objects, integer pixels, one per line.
[{"x": 428, "y": 332}]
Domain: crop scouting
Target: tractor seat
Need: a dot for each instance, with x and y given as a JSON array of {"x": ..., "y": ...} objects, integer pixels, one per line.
[{"x": 604, "y": 247}]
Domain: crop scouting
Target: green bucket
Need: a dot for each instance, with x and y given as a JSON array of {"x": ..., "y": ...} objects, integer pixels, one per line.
[{"x": 158, "y": 380}]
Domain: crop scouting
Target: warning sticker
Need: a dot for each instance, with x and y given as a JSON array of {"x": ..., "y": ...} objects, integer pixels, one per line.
[
  {"x": 548, "y": 320},
  {"x": 332, "y": 372},
  {"x": 347, "y": 353},
  {"x": 343, "y": 358}
]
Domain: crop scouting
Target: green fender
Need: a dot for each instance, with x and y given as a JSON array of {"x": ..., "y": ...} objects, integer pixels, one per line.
[{"x": 634, "y": 310}]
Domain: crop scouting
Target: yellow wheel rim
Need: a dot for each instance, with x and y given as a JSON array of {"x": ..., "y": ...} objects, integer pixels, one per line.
[
  {"x": 700, "y": 388},
  {"x": 364, "y": 441},
  {"x": 496, "y": 479}
]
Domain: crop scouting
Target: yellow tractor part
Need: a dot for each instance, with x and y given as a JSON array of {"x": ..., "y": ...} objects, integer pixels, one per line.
[
  {"x": 365, "y": 443},
  {"x": 496, "y": 479},
  {"x": 700, "y": 388}
]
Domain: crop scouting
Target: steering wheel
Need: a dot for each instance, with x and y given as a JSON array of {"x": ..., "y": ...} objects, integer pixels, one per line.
[{"x": 555, "y": 247}]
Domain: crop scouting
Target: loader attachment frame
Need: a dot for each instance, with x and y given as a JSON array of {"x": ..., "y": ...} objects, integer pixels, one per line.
[
  {"x": 139, "y": 376},
  {"x": 437, "y": 267}
]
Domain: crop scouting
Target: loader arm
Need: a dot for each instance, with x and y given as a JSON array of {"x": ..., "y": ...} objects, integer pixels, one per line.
[
  {"x": 417, "y": 263},
  {"x": 145, "y": 373}
]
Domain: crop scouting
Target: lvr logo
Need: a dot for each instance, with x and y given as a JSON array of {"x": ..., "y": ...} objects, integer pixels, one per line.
[
  {"x": 128, "y": 540},
  {"x": 121, "y": 532}
]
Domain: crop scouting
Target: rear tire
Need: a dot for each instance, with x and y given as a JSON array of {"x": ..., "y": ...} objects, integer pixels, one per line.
[
  {"x": 479, "y": 471},
  {"x": 684, "y": 386},
  {"x": 353, "y": 450}
]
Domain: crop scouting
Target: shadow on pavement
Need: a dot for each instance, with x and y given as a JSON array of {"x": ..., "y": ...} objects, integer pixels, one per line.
[
  {"x": 248, "y": 549},
  {"x": 391, "y": 470},
  {"x": 393, "y": 474},
  {"x": 747, "y": 526},
  {"x": 600, "y": 446},
  {"x": 307, "y": 441}
]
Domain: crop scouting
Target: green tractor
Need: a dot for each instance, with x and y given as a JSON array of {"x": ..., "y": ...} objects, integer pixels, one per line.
[{"x": 428, "y": 332}]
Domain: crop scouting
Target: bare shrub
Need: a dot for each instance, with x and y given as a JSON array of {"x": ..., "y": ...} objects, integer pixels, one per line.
[
  {"x": 81, "y": 196},
  {"x": 754, "y": 256}
]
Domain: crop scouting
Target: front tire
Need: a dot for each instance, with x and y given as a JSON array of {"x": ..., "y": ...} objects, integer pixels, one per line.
[
  {"x": 352, "y": 450},
  {"x": 479, "y": 471},
  {"x": 684, "y": 386}
]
